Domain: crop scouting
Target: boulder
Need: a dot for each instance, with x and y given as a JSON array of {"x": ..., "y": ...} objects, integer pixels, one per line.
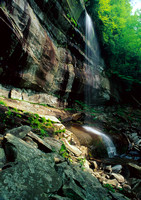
[
  {"x": 16, "y": 94},
  {"x": 34, "y": 179},
  {"x": 116, "y": 168},
  {"x": 20, "y": 132},
  {"x": 40, "y": 173},
  {"x": 72, "y": 148},
  {"x": 118, "y": 177}
]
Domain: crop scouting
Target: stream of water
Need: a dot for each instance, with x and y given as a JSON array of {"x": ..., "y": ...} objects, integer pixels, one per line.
[
  {"x": 92, "y": 52},
  {"x": 111, "y": 149},
  {"x": 92, "y": 46},
  {"x": 92, "y": 58}
]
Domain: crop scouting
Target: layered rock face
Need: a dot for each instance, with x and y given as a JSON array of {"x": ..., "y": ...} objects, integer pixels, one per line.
[{"x": 43, "y": 49}]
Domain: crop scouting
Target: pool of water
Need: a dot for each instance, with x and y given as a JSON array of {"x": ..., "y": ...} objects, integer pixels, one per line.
[{"x": 100, "y": 144}]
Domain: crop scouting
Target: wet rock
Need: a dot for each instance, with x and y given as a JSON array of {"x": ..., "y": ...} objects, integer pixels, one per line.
[
  {"x": 132, "y": 135},
  {"x": 116, "y": 168},
  {"x": 73, "y": 191},
  {"x": 44, "y": 64}
]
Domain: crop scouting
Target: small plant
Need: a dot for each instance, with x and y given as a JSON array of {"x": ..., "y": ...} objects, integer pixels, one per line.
[
  {"x": 109, "y": 187},
  {"x": 3, "y": 103},
  {"x": 60, "y": 131},
  {"x": 82, "y": 161},
  {"x": 40, "y": 124},
  {"x": 9, "y": 113},
  {"x": 63, "y": 151},
  {"x": 43, "y": 133},
  {"x": 73, "y": 21}
]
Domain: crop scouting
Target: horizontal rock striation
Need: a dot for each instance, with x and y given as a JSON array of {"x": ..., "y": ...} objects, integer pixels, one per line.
[{"x": 43, "y": 49}]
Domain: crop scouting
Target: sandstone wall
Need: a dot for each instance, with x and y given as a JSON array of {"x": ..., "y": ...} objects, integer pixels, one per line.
[{"x": 43, "y": 49}]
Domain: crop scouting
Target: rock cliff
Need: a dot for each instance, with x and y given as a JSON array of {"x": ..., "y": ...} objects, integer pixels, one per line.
[{"x": 43, "y": 49}]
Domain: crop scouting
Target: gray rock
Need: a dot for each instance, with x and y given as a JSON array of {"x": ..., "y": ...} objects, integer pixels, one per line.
[
  {"x": 30, "y": 141},
  {"x": 34, "y": 179},
  {"x": 20, "y": 132},
  {"x": 116, "y": 168},
  {"x": 41, "y": 144},
  {"x": 33, "y": 174},
  {"x": 18, "y": 150},
  {"x": 2, "y": 155},
  {"x": 55, "y": 144}
]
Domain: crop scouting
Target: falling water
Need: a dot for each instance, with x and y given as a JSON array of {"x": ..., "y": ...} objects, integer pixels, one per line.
[
  {"x": 111, "y": 149},
  {"x": 92, "y": 57},
  {"x": 92, "y": 46}
]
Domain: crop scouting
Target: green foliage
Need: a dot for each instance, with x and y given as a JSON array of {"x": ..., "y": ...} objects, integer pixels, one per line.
[
  {"x": 40, "y": 123},
  {"x": 3, "y": 103},
  {"x": 109, "y": 187},
  {"x": 82, "y": 161},
  {"x": 73, "y": 21},
  {"x": 9, "y": 113},
  {"x": 63, "y": 151},
  {"x": 60, "y": 131},
  {"x": 120, "y": 33}
]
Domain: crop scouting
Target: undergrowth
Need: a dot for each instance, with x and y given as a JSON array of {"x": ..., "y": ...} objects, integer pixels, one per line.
[{"x": 12, "y": 117}]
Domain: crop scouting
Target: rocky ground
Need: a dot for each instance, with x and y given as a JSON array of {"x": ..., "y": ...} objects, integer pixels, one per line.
[{"x": 41, "y": 159}]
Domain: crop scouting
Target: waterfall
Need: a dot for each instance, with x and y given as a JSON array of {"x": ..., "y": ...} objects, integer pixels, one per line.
[
  {"x": 111, "y": 149},
  {"x": 92, "y": 46},
  {"x": 92, "y": 58}
]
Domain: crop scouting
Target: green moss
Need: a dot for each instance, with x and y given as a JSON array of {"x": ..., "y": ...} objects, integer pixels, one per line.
[
  {"x": 60, "y": 131},
  {"x": 109, "y": 187},
  {"x": 3, "y": 103}
]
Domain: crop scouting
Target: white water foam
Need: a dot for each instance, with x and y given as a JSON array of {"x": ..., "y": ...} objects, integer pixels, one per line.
[{"x": 111, "y": 149}]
